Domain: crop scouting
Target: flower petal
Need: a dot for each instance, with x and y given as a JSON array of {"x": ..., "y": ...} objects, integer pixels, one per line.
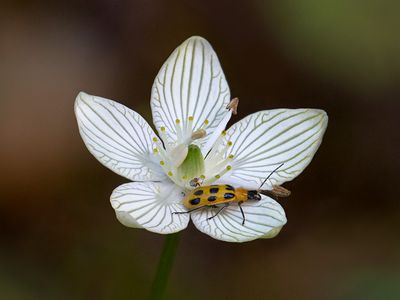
[
  {"x": 118, "y": 137},
  {"x": 262, "y": 217},
  {"x": 190, "y": 84},
  {"x": 126, "y": 219},
  {"x": 264, "y": 140},
  {"x": 150, "y": 205},
  {"x": 273, "y": 233}
]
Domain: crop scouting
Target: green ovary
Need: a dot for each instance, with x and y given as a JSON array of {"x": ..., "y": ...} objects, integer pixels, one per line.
[{"x": 193, "y": 165}]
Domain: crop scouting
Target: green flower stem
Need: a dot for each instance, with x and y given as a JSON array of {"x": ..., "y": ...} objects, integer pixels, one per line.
[{"x": 164, "y": 266}]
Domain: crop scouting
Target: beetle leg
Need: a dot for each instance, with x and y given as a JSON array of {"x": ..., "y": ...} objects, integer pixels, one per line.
[
  {"x": 241, "y": 210},
  {"x": 186, "y": 212},
  {"x": 226, "y": 205}
]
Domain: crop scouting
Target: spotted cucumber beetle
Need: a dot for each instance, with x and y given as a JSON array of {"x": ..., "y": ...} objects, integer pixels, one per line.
[{"x": 222, "y": 195}]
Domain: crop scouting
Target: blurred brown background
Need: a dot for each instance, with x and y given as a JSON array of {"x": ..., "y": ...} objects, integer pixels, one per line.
[{"x": 59, "y": 236}]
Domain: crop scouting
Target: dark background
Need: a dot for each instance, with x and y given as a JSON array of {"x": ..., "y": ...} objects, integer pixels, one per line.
[{"x": 59, "y": 236}]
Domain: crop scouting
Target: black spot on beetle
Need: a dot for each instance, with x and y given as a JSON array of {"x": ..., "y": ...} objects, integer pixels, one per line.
[
  {"x": 198, "y": 192},
  {"x": 229, "y": 187},
  {"x": 195, "y": 201},
  {"x": 214, "y": 190},
  {"x": 212, "y": 198},
  {"x": 229, "y": 195}
]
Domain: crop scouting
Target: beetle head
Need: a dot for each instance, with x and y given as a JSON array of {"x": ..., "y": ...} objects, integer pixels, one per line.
[{"x": 253, "y": 195}]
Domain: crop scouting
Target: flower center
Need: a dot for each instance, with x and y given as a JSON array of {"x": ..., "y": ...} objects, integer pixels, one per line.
[
  {"x": 180, "y": 159},
  {"x": 193, "y": 165},
  {"x": 186, "y": 133},
  {"x": 183, "y": 161}
]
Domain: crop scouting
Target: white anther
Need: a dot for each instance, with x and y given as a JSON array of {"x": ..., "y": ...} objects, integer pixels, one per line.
[
  {"x": 198, "y": 134},
  {"x": 233, "y": 105}
]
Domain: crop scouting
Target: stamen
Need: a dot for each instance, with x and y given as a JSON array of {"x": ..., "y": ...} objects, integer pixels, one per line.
[
  {"x": 163, "y": 160},
  {"x": 215, "y": 148},
  {"x": 204, "y": 124},
  {"x": 219, "y": 164},
  {"x": 189, "y": 128},
  {"x": 160, "y": 151},
  {"x": 178, "y": 129},
  {"x": 211, "y": 179},
  {"x": 221, "y": 153},
  {"x": 170, "y": 174}
]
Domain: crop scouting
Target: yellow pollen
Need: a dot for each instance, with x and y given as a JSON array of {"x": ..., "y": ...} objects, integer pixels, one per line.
[
  {"x": 202, "y": 177},
  {"x": 230, "y": 156},
  {"x": 223, "y": 133},
  {"x": 217, "y": 176},
  {"x": 206, "y": 122},
  {"x": 155, "y": 139},
  {"x": 155, "y": 150},
  {"x": 184, "y": 177},
  {"x": 170, "y": 173},
  {"x": 230, "y": 143},
  {"x": 162, "y": 129},
  {"x": 228, "y": 167},
  {"x": 177, "y": 121},
  {"x": 162, "y": 162},
  {"x": 190, "y": 118}
]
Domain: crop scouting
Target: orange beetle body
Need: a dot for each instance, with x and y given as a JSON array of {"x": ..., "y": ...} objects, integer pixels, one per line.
[
  {"x": 214, "y": 195},
  {"x": 211, "y": 195}
]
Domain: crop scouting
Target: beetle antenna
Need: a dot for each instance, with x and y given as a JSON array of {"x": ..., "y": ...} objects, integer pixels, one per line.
[{"x": 276, "y": 169}]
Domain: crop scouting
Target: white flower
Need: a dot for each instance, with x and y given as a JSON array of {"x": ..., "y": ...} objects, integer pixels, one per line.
[{"x": 189, "y": 105}]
